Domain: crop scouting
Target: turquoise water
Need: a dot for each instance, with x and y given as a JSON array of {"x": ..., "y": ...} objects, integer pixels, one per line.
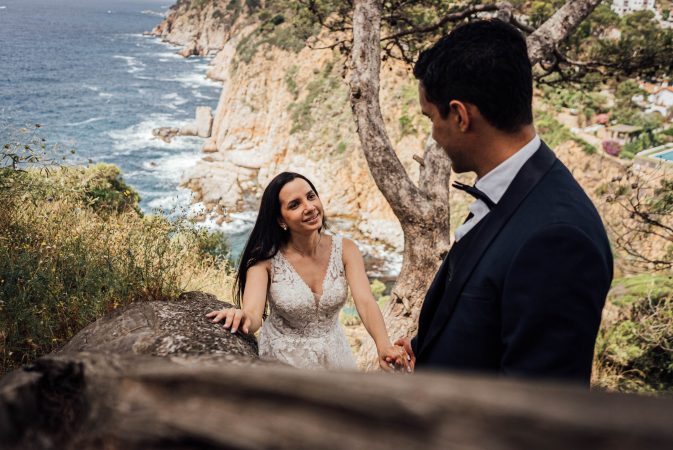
[{"x": 668, "y": 156}]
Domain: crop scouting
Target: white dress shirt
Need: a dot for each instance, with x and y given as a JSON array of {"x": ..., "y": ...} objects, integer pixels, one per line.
[{"x": 495, "y": 183}]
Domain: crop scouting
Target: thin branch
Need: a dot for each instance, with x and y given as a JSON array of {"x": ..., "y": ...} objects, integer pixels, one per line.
[{"x": 453, "y": 17}]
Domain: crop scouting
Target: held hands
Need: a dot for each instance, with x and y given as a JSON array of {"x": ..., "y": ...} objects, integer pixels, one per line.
[
  {"x": 393, "y": 358},
  {"x": 234, "y": 319},
  {"x": 406, "y": 345}
]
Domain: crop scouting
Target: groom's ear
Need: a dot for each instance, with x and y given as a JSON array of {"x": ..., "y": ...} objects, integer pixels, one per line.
[{"x": 460, "y": 114}]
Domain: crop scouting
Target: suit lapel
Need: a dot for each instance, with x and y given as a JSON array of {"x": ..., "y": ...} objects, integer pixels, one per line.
[{"x": 529, "y": 175}]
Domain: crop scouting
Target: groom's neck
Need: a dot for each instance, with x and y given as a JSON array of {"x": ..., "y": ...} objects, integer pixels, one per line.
[{"x": 493, "y": 147}]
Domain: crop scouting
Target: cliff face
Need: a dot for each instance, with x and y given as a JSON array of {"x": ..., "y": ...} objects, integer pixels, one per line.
[
  {"x": 200, "y": 27},
  {"x": 285, "y": 107}
]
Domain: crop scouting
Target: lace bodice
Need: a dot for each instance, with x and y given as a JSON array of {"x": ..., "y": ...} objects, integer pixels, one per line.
[{"x": 303, "y": 328}]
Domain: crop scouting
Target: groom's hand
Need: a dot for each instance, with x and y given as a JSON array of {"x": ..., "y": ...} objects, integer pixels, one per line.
[
  {"x": 406, "y": 344},
  {"x": 233, "y": 318}
]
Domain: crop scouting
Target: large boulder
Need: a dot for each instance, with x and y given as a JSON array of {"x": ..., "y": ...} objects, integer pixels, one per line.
[{"x": 173, "y": 329}]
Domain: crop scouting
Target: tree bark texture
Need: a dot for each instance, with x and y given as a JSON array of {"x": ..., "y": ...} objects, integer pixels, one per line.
[
  {"x": 95, "y": 401},
  {"x": 543, "y": 41},
  {"x": 423, "y": 208}
]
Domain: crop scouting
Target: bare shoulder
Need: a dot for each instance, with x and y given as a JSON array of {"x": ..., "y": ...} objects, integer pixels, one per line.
[
  {"x": 349, "y": 249},
  {"x": 259, "y": 266}
]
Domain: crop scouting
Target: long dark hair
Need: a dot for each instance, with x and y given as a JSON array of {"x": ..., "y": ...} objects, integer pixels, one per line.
[{"x": 267, "y": 237}]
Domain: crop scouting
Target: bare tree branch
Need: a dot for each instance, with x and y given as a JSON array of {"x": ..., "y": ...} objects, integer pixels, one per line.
[
  {"x": 453, "y": 17},
  {"x": 557, "y": 28}
]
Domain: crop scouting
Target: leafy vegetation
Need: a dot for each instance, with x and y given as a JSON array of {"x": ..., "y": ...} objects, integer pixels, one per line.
[
  {"x": 317, "y": 91},
  {"x": 555, "y": 133},
  {"x": 73, "y": 246},
  {"x": 634, "y": 350}
]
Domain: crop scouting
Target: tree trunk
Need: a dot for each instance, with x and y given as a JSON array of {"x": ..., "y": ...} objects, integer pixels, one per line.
[{"x": 422, "y": 209}]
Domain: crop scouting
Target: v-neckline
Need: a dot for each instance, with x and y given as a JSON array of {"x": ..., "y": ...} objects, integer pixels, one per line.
[{"x": 324, "y": 278}]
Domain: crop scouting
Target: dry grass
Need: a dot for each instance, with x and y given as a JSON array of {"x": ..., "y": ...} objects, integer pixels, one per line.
[{"x": 73, "y": 246}]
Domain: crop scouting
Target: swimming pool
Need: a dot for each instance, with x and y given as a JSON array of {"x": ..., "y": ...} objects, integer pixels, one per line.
[
  {"x": 660, "y": 153},
  {"x": 666, "y": 156}
]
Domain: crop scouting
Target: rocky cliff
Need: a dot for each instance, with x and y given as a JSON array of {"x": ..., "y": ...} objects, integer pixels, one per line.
[{"x": 285, "y": 106}]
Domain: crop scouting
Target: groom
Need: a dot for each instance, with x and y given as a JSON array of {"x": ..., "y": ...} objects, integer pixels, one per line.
[{"x": 522, "y": 289}]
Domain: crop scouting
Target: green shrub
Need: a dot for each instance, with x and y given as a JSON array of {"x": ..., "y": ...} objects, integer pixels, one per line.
[
  {"x": 302, "y": 112},
  {"x": 555, "y": 133},
  {"x": 634, "y": 349},
  {"x": 290, "y": 81}
]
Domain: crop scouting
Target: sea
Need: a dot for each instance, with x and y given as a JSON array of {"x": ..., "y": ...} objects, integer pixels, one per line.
[
  {"x": 88, "y": 75},
  {"x": 85, "y": 72}
]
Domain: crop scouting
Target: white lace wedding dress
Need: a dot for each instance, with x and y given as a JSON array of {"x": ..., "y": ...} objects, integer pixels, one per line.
[{"x": 303, "y": 328}]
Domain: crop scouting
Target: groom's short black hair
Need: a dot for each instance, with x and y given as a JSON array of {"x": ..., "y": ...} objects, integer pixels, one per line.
[{"x": 484, "y": 63}]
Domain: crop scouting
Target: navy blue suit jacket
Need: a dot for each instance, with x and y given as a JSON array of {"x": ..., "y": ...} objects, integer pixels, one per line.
[{"x": 526, "y": 297}]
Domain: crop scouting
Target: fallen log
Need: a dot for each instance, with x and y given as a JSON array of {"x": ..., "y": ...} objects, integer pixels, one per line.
[{"x": 92, "y": 401}]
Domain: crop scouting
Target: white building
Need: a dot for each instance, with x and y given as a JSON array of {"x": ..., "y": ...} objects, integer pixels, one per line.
[
  {"x": 661, "y": 100},
  {"x": 622, "y": 7}
]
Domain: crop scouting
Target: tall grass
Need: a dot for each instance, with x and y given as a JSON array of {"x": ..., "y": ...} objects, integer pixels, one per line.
[{"x": 74, "y": 245}]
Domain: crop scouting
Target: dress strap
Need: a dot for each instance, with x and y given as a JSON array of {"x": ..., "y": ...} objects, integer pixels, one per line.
[{"x": 338, "y": 253}]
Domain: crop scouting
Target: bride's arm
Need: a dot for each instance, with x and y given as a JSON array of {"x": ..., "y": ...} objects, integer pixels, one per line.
[
  {"x": 249, "y": 318},
  {"x": 367, "y": 308}
]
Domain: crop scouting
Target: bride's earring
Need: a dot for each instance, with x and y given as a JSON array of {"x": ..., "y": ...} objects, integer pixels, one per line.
[{"x": 284, "y": 227}]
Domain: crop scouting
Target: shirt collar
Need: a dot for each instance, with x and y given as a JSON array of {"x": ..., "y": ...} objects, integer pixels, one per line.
[{"x": 495, "y": 183}]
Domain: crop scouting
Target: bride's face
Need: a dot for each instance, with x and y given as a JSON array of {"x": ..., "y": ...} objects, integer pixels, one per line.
[{"x": 300, "y": 207}]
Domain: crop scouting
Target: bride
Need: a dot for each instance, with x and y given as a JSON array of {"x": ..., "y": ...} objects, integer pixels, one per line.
[{"x": 304, "y": 275}]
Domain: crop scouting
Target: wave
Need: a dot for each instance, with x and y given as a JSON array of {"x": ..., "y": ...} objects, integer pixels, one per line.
[
  {"x": 164, "y": 55},
  {"x": 3, "y": 7},
  {"x": 84, "y": 122},
  {"x": 173, "y": 100},
  {"x": 193, "y": 80},
  {"x": 140, "y": 137},
  {"x": 175, "y": 202},
  {"x": 153, "y": 13},
  {"x": 201, "y": 96},
  {"x": 171, "y": 168},
  {"x": 133, "y": 64}
]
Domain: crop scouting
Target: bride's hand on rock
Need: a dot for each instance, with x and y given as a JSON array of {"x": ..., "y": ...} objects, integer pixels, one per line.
[
  {"x": 394, "y": 357},
  {"x": 234, "y": 319}
]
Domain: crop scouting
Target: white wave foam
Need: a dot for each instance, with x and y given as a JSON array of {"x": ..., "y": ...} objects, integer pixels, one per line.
[
  {"x": 3, "y": 7},
  {"x": 199, "y": 95},
  {"x": 153, "y": 13},
  {"x": 172, "y": 167},
  {"x": 173, "y": 100},
  {"x": 180, "y": 199},
  {"x": 194, "y": 80},
  {"x": 140, "y": 137},
  {"x": 163, "y": 55},
  {"x": 240, "y": 222},
  {"x": 84, "y": 122},
  {"x": 133, "y": 64}
]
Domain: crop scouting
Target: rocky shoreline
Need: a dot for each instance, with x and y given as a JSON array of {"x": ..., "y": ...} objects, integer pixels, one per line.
[{"x": 286, "y": 111}]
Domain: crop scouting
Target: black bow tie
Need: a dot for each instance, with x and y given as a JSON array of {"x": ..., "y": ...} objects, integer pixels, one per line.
[{"x": 476, "y": 193}]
